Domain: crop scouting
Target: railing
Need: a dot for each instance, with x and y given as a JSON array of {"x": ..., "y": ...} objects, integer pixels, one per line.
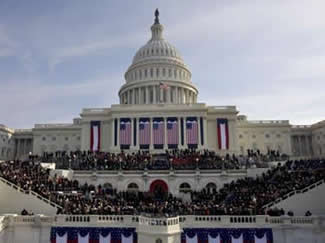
[
  {"x": 14, "y": 186},
  {"x": 163, "y": 224},
  {"x": 269, "y": 121},
  {"x": 290, "y": 194},
  {"x": 94, "y": 110},
  {"x": 58, "y": 125}
]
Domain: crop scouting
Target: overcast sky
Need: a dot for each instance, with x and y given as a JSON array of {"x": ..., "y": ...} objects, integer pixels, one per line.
[{"x": 267, "y": 57}]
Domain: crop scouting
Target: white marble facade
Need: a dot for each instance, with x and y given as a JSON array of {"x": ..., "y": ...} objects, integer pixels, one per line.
[{"x": 158, "y": 84}]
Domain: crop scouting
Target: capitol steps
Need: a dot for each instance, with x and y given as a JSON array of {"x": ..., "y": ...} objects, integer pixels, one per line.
[
  {"x": 310, "y": 198},
  {"x": 14, "y": 199}
]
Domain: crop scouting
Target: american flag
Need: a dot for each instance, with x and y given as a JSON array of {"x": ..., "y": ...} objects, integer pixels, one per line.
[
  {"x": 163, "y": 85},
  {"x": 125, "y": 131},
  {"x": 172, "y": 131},
  {"x": 192, "y": 131},
  {"x": 144, "y": 131},
  {"x": 158, "y": 132}
]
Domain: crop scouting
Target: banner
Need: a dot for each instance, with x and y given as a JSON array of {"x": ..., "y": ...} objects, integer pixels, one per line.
[
  {"x": 125, "y": 132},
  {"x": 158, "y": 130},
  {"x": 192, "y": 131},
  {"x": 95, "y": 135},
  {"x": 227, "y": 235},
  {"x": 223, "y": 133},
  {"x": 92, "y": 235}
]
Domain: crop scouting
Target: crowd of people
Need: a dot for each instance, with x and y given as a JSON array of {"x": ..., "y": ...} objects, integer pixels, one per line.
[
  {"x": 245, "y": 196},
  {"x": 187, "y": 159}
]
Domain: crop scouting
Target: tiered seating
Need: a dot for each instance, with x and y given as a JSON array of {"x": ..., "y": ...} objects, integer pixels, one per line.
[{"x": 242, "y": 197}]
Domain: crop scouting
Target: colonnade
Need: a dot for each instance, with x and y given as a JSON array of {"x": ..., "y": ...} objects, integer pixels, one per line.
[
  {"x": 23, "y": 146},
  {"x": 182, "y": 140},
  {"x": 301, "y": 145},
  {"x": 155, "y": 94}
]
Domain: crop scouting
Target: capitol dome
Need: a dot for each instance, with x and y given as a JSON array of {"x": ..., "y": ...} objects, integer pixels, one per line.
[{"x": 158, "y": 74}]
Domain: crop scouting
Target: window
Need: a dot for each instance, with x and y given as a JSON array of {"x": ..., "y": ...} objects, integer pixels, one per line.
[
  {"x": 66, "y": 138},
  {"x": 169, "y": 72},
  {"x": 254, "y": 136},
  {"x": 157, "y": 72},
  {"x": 267, "y": 135},
  {"x": 53, "y": 138},
  {"x": 278, "y": 135},
  {"x": 184, "y": 187},
  {"x": 240, "y": 136},
  {"x": 145, "y": 73},
  {"x": 44, "y": 138},
  {"x": 159, "y": 241},
  {"x": 211, "y": 188},
  {"x": 164, "y": 72},
  {"x": 78, "y": 138},
  {"x": 132, "y": 187},
  {"x": 151, "y": 72}
]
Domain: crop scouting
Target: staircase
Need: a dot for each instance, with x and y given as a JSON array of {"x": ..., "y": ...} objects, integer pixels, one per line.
[
  {"x": 310, "y": 198},
  {"x": 14, "y": 199}
]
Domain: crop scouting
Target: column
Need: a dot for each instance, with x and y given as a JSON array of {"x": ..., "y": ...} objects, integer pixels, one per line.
[
  {"x": 147, "y": 95},
  {"x": 176, "y": 101},
  {"x": 184, "y": 130},
  {"x": 161, "y": 95},
  {"x": 199, "y": 146},
  {"x": 182, "y": 96},
  {"x": 154, "y": 94},
  {"x": 205, "y": 131},
  {"x": 168, "y": 94},
  {"x": 24, "y": 146},
  {"x": 151, "y": 134},
  {"x": 18, "y": 148},
  {"x": 165, "y": 134},
  {"x": 134, "y": 96},
  {"x": 118, "y": 133},
  {"x": 137, "y": 140},
  {"x": 113, "y": 133},
  {"x": 300, "y": 145},
  {"x": 179, "y": 133},
  {"x": 132, "y": 133}
]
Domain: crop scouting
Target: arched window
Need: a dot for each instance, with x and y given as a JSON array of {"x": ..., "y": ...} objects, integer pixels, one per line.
[
  {"x": 159, "y": 241},
  {"x": 211, "y": 187},
  {"x": 132, "y": 187},
  {"x": 108, "y": 186},
  {"x": 184, "y": 187}
]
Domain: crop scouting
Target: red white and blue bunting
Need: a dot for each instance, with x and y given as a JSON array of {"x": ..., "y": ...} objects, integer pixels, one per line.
[
  {"x": 93, "y": 235},
  {"x": 227, "y": 235}
]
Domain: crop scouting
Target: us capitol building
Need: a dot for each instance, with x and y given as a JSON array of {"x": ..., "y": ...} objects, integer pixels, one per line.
[
  {"x": 160, "y": 98},
  {"x": 158, "y": 110}
]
